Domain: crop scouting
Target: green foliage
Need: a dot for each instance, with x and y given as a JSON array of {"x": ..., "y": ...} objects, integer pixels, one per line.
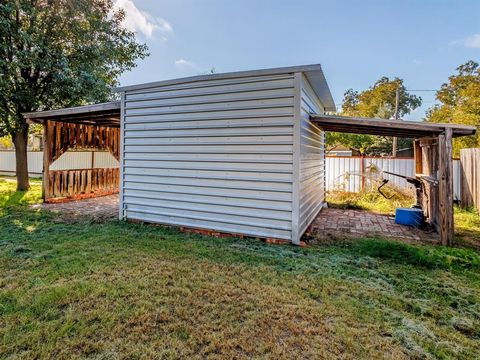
[
  {"x": 6, "y": 142},
  {"x": 376, "y": 102},
  {"x": 59, "y": 53},
  {"x": 460, "y": 103}
]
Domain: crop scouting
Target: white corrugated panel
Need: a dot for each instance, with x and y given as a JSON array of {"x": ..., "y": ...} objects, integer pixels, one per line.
[
  {"x": 34, "y": 158},
  {"x": 398, "y": 166},
  {"x": 213, "y": 154},
  {"x": 84, "y": 160},
  {"x": 344, "y": 173},
  {"x": 312, "y": 159}
]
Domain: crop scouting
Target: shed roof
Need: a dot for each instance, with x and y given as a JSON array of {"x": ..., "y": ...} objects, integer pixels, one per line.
[
  {"x": 104, "y": 114},
  {"x": 410, "y": 129},
  {"x": 314, "y": 74}
]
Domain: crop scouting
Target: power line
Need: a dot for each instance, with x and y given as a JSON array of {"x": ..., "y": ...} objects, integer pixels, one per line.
[{"x": 413, "y": 90}]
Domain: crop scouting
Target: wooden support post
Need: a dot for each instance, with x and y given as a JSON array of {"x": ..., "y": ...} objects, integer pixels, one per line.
[
  {"x": 47, "y": 156},
  {"x": 445, "y": 170},
  {"x": 417, "y": 151},
  {"x": 362, "y": 172}
]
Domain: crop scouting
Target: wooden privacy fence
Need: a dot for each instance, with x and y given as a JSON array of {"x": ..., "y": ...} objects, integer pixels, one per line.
[
  {"x": 81, "y": 182},
  {"x": 470, "y": 177}
]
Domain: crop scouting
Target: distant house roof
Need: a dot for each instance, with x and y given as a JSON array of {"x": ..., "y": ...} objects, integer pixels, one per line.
[{"x": 313, "y": 73}]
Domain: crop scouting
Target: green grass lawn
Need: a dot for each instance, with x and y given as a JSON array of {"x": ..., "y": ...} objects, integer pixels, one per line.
[{"x": 82, "y": 289}]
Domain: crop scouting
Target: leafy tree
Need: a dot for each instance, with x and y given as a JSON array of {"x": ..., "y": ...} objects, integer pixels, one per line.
[
  {"x": 460, "y": 103},
  {"x": 376, "y": 102},
  {"x": 58, "y": 53}
]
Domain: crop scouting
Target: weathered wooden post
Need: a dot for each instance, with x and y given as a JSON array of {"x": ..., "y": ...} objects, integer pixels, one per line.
[
  {"x": 445, "y": 169},
  {"x": 47, "y": 156}
]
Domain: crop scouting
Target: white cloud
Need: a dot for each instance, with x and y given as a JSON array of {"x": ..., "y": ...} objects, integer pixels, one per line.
[
  {"x": 182, "y": 63},
  {"x": 141, "y": 21},
  {"x": 473, "y": 41}
]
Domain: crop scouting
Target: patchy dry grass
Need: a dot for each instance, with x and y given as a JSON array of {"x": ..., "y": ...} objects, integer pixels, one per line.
[
  {"x": 467, "y": 227},
  {"x": 73, "y": 289},
  {"x": 370, "y": 200}
]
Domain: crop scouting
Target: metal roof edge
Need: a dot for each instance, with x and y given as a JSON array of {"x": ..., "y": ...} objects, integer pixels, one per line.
[
  {"x": 226, "y": 75},
  {"x": 111, "y": 105},
  {"x": 462, "y": 130},
  {"x": 322, "y": 89}
]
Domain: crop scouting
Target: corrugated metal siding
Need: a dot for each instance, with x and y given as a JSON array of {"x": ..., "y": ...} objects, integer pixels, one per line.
[
  {"x": 312, "y": 159},
  {"x": 213, "y": 154}
]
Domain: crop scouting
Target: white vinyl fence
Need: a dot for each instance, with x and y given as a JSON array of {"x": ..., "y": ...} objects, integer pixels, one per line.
[
  {"x": 353, "y": 173},
  {"x": 69, "y": 160}
]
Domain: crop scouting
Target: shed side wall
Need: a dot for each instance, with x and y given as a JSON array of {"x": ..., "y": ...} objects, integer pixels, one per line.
[
  {"x": 312, "y": 159},
  {"x": 214, "y": 154}
]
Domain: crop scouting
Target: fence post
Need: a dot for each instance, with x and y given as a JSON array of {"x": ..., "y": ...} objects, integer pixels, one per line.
[{"x": 362, "y": 171}]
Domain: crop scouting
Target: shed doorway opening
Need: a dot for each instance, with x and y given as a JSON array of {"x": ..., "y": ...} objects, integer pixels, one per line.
[
  {"x": 433, "y": 160},
  {"x": 91, "y": 130}
]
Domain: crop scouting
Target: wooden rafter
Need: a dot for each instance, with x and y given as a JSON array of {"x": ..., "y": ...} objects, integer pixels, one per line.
[{"x": 64, "y": 136}]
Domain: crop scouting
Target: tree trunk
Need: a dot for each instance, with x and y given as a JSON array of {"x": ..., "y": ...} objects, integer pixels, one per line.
[{"x": 20, "y": 138}]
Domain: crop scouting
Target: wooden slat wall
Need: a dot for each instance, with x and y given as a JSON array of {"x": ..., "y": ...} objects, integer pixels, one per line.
[
  {"x": 470, "y": 177},
  {"x": 71, "y": 183},
  {"x": 78, "y": 136},
  {"x": 429, "y": 154}
]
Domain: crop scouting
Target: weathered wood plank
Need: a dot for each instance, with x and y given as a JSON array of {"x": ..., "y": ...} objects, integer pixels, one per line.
[
  {"x": 417, "y": 150},
  {"x": 445, "y": 192},
  {"x": 470, "y": 177}
]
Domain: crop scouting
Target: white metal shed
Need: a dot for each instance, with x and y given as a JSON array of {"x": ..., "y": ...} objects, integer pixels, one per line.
[{"x": 233, "y": 152}]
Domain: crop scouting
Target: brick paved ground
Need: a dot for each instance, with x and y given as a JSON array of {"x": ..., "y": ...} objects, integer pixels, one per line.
[
  {"x": 338, "y": 223},
  {"x": 100, "y": 208}
]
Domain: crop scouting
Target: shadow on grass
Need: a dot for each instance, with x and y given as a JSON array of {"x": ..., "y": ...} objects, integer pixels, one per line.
[{"x": 431, "y": 257}]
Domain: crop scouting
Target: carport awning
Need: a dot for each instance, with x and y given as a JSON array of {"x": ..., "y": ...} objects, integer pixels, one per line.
[
  {"x": 410, "y": 129},
  {"x": 105, "y": 114}
]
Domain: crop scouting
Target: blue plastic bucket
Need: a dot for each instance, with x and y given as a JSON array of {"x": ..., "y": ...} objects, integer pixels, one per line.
[{"x": 410, "y": 217}]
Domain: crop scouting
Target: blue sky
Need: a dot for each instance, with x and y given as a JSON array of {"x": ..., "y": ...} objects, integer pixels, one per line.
[{"x": 356, "y": 42}]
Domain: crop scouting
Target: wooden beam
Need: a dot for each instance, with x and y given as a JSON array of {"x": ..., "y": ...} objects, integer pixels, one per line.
[
  {"x": 47, "y": 158},
  {"x": 445, "y": 170},
  {"x": 417, "y": 151}
]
